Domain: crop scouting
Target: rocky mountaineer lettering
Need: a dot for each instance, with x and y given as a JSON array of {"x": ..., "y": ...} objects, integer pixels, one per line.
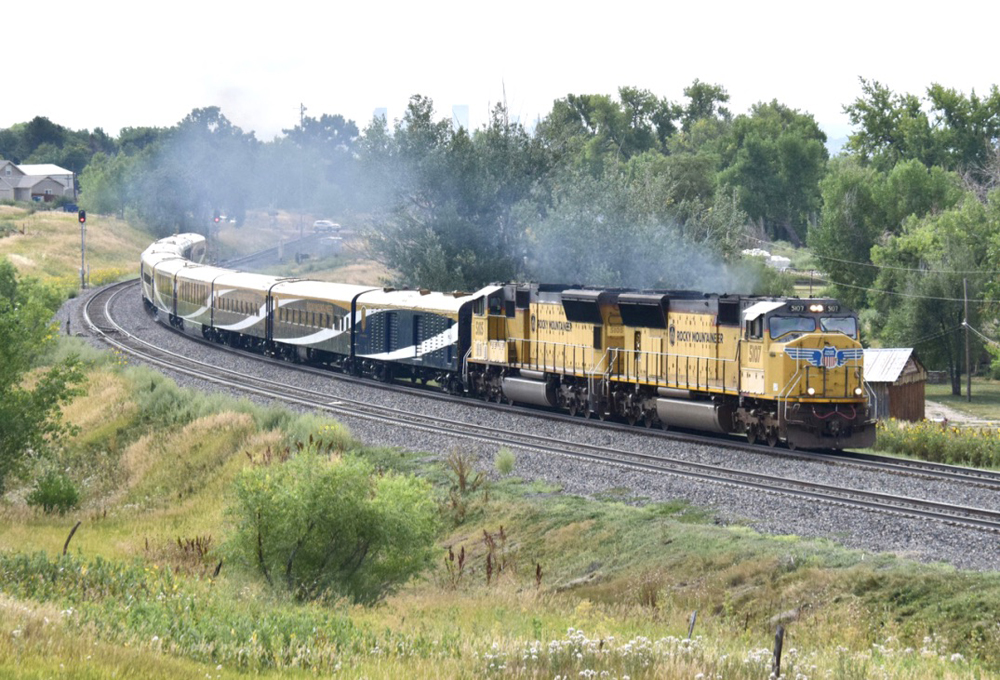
[
  {"x": 697, "y": 336},
  {"x": 555, "y": 325}
]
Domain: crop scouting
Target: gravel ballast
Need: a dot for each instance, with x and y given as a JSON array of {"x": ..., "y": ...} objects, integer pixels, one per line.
[{"x": 926, "y": 541}]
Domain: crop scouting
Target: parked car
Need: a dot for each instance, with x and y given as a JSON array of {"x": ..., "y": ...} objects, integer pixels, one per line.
[{"x": 321, "y": 226}]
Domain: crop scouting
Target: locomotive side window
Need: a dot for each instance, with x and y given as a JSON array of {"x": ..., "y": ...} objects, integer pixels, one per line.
[
  {"x": 755, "y": 328},
  {"x": 496, "y": 305},
  {"x": 783, "y": 325},
  {"x": 846, "y": 325}
]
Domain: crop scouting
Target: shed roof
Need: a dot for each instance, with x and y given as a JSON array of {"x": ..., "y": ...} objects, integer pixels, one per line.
[{"x": 886, "y": 365}]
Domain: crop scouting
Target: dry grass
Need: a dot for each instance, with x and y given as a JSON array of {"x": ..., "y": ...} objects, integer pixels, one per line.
[{"x": 49, "y": 249}]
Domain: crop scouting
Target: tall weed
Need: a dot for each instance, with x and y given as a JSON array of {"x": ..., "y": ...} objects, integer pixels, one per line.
[{"x": 941, "y": 442}]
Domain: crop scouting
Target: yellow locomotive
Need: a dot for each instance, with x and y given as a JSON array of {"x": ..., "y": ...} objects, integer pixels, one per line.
[{"x": 785, "y": 370}]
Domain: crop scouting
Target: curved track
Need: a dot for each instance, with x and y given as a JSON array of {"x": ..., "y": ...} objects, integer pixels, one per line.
[{"x": 100, "y": 321}]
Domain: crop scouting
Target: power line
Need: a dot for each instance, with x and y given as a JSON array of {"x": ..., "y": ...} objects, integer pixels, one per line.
[
  {"x": 906, "y": 295},
  {"x": 890, "y": 267},
  {"x": 906, "y": 269}
]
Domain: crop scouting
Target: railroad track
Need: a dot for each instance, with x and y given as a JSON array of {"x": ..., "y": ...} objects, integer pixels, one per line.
[{"x": 98, "y": 318}]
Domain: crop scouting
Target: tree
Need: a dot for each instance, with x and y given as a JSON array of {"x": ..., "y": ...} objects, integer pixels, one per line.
[
  {"x": 595, "y": 131},
  {"x": 30, "y": 417},
  {"x": 863, "y": 207},
  {"x": 445, "y": 199},
  {"x": 704, "y": 103},
  {"x": 774, "y": 159},
  {"x": 331, "y": 526},
  {"x": 946, "y": 129},
  {"x": 328, "y": 165},
  {"x": 850, "y": 224},
  {"x": 925, "y": 272},
  {"x": 621, "y": 230}
]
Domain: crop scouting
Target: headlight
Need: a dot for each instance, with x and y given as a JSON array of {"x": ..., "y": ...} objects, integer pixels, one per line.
[
  {"x": 811, "y": 391},
  {"x": 815, "y": 308},
  {"x": 858, "y": 391}
]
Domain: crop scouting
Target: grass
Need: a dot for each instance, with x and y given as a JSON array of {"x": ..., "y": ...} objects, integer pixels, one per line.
[
  {"x": 547, "y": 584},
  {"x": 530, "y": 583},
  {"x": 49, "y": 247},
  {"x": 985, "y": 404}
]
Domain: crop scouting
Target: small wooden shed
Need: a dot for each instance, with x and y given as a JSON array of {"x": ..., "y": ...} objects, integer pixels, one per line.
[{"x": 898, "y": 379}]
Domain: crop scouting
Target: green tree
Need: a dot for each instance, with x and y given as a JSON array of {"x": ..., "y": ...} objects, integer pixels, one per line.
[
  {"x": 925, "y": 272},
  {"x": 624, "y": 229},
  {"x": 705, "y": 102},
  {"x": 329, "y": 162},
  {"x": 774, "y": 158},
  {"x": 946, "y": 128},
  {"x": 108, "y": 184},
  {"x": 851, "y": 223},
  {"x": 862, "y": 207},
  {"x": 319, "y": 526},
  {"x": 445, "y": 198},
  {"x": 30, "y": 416}
]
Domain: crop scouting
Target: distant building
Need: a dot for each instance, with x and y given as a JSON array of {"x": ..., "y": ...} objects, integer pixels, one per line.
[
  {"x": 898, "y": 380},
  {"x": 35, "y": 182}
]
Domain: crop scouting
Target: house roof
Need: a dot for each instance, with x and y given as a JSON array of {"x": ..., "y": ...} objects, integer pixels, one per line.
[
  {"x": 44, "y": 169},
  {"x": 886, "y": 365}
]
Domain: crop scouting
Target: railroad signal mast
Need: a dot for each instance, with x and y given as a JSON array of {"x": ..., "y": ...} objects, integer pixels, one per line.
[{"x": 82, "y": 216}]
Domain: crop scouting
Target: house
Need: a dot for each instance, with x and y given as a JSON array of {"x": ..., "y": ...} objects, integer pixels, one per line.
[
  {"x": 897, "y": 379},
  {"x": 35, "y": 182}
]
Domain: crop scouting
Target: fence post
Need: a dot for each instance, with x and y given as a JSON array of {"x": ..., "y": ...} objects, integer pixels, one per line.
[
  {"x": 779, "y": 638},
  {"x": 694, "y": 617}
]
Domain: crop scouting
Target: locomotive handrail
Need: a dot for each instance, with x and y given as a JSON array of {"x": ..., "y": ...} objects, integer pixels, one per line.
[
  {"x": 661, "y": 377},
  {"x": 873, "y": 398},
  {"x": 465, "y": 364}
]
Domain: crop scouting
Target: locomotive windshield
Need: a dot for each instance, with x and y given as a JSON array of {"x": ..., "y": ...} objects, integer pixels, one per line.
[
  {"x": 794, "y": 326},
  {"x": 847, "y": 325},
  {"x": 780, "y": 326}
]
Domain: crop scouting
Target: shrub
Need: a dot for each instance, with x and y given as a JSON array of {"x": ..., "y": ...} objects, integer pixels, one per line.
[
  {"x": 54, "y": 492},
  {"x": 322, "y": 526},
  {"x": 504, "y": 461},
  {"x": 941, "y": 443}
]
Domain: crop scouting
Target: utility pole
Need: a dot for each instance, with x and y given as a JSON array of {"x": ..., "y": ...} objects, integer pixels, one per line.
[{"x": 968, "y": 365}]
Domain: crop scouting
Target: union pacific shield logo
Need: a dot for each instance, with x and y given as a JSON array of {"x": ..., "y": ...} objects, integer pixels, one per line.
[{"x": 828, "y": 357}]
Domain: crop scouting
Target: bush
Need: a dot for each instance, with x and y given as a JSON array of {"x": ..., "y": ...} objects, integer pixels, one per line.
[
  {"x": 504, "y": 462},
  {"x": 322, "y": 526},
  {"x": 941, "y": 443},
  {"x": 54, "y": 492}
]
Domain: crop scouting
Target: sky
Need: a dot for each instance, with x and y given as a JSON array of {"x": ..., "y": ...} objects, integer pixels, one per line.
[{"x": 104, "y": 64}]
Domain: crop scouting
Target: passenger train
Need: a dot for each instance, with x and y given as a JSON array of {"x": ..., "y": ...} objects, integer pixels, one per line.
[{"x": 773, "y": 369}]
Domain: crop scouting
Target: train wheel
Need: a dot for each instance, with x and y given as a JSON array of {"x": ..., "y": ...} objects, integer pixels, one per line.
[
  {"x": 772, "y": 438},
  {"x": 791, "y": 445},
  {"x": 572, "y": 408},
  {"x": 649, "y": 420},
  {"x": 751, "y": 435},
  {"x": 630, "y": 419}
]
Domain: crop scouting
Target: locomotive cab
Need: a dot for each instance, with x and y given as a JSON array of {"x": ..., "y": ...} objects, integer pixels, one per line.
[{"x": 803, "y": 375}]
